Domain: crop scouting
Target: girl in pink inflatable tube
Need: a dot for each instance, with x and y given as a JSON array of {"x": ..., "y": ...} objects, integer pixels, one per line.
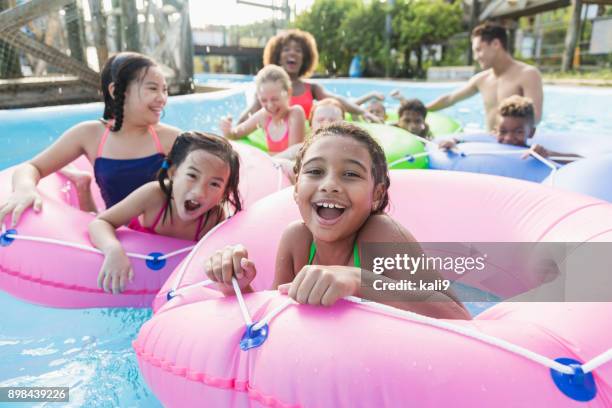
[
  {"x": 195, "y": 182},
  {"x": 342, "y": 193}
]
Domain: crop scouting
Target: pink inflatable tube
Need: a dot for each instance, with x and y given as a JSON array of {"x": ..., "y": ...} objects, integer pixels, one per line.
[
  {"x": 360, "y": 355},
  {"x": 59, "y": 275}
]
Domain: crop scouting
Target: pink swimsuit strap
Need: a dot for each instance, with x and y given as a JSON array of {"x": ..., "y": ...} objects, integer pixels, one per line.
[
  {"x": 201, "y": 221},
  {"x": 152, "y": 131}
]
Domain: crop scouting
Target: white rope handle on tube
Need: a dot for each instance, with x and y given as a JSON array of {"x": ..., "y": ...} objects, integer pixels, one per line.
[
  {"x": 187, "y": 261},
  {"x": 188, "y": 288},
  {"x": 245, "y": 312},
  {"x": 604, "y": 358},
  {"x": 279, "y": 170},
  {"x": 88, "y": 248},
  {"x": 598, "y": 361}
]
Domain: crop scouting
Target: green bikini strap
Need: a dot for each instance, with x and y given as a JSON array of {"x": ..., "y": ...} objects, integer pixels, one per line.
[
  {"x": 356, "y": 259},
  {"x": 313, "y": 251}
]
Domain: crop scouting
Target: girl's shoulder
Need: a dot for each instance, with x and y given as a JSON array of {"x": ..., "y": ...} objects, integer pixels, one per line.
[
  {"x": 151, "y": 194},
  {"x": 296, "y": 112},
  {"x": 88, "y": 132},
  {"x": 162, "y": 128},
  {"x": 89, "y": 126},
  {"x": 297, "y": 230},
  {"x": 167, "y": 135},
  {"x": 295, "y": 241},
  {"x": 384, "y": 228},
  {"x": 296, "y": 235}
]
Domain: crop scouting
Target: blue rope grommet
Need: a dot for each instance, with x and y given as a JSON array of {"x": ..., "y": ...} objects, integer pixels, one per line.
[
  {"x": 170, "y": 295},
  {"x": 156, "y": 263},
  {"x": 253, "y": 338},
  {"x": 578, "y": 386},
  {"x": 410, "y": 158},
  {"x": 5, "y": 240}
]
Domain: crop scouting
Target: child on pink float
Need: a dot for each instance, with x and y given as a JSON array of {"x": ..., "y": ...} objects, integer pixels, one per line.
[
  {"x": 126, "y": 147},
  {"x": 342, "y": 193},
  {"x": 196, "y": 181}
]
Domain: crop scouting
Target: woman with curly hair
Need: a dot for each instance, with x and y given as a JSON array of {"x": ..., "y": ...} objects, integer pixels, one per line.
[{"x": 296, "y": 52}]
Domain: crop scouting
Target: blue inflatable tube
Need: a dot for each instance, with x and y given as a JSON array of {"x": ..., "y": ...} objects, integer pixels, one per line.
[
  {"x": 480, "y": 153},
  {"x": 590, "y": 176}
]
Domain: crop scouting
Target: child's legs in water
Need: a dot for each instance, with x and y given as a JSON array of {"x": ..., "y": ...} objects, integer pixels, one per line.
[{"x": 82, "y": 182}]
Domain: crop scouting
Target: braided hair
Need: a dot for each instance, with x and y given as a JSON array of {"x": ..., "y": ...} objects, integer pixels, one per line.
[
  {"x": 188, "y": 142},
  {"x": 120, "y": 70}
]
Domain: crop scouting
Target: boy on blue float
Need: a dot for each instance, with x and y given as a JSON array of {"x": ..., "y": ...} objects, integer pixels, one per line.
[{"x": 516, "y": 126}]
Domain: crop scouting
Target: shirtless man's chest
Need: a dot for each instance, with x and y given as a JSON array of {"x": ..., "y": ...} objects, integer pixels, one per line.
[{"x": 495, "y": 89}]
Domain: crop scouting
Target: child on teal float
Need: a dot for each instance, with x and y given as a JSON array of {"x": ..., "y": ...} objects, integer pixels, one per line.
[
  {"x": 516, "y": 126},
  {"x": 342, "y": 193},
  {"x": 283, "y": 125},
  {"x": 196, "y": 181}
]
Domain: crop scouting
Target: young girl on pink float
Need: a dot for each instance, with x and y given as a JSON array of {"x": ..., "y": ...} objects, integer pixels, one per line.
[
  {"x": 342, "y": 193},
  {"x": 126, "y": 147},
  {"x": 195, "y": 184}
]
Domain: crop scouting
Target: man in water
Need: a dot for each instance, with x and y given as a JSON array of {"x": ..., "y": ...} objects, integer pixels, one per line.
[{"x": 502, "y": 76}]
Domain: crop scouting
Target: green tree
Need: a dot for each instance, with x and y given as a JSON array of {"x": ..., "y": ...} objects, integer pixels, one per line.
[
  {"x": 423, "y": 23},
  {"x": 324, "y": 21},
  {"x": 363, "y": 31}
]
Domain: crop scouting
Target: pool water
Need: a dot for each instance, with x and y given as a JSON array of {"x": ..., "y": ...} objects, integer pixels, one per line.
[{"x": 90, "y": 350}]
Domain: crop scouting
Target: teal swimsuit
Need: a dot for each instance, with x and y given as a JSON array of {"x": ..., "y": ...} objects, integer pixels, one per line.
[{"x": 356, "y": 260}]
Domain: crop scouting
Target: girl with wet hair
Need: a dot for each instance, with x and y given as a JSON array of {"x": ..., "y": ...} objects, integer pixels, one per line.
[
  {"x": 342, "y": 195},
  {"x": 195, "y": 190},
  {"x": 126, "y": 147}
]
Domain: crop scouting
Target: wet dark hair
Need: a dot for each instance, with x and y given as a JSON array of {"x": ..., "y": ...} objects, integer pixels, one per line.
[
  {"x": 188, "y": 142},
  {"x": 120, "y": 69},
  {"x": 414, "y": 105},
  {"x": 490, "y": 31},
  {"x": 275, "y": 45},
  {"x": 380, "y": 171},
  {"x": 516, "y": 106}
]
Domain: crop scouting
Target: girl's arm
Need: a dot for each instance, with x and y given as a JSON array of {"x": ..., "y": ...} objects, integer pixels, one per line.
[
  {"x": 324, "y": 285},
  {"x": 26, "y": 177},
  {"x": 320, "y": 93},
  {"x": 297, "y": 122},
  {"x": 243, "y": 128},
  {"x": 116, "y": 269},
  {"x": 370, "y": 95},
  {"x": 250, "y": 111},
  {"x": 293, "y": 239},
  {"x": 439, "y": 304}
]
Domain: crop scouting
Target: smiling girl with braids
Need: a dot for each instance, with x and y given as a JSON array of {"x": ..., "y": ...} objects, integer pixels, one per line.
[
  {"x": 126, "y": 147},
  {"x": 195, "y": 183}
]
